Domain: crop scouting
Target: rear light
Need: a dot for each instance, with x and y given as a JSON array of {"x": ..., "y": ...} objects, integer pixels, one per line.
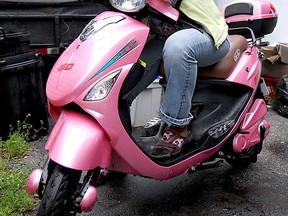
[{"x": 272, "y": 9}]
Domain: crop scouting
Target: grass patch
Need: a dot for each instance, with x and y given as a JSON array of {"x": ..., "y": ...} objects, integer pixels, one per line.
[
  {"x": 13, "y": 198},
  {"x": 15, "y": 146},
  {"x": 14, "y": 201},
  {"x": 17, "y": 143}
]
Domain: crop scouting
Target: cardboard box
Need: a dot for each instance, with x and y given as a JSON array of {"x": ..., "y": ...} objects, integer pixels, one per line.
[
  {"x": 275, "y": 64},
  {"x": 146, "y": 105}
]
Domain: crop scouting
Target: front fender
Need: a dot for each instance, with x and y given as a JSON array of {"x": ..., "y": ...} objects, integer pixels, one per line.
[{"x": 77, "y": 141}]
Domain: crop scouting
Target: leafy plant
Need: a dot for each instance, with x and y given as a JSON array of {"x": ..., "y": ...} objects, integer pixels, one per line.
[
  {"x": 17, "y": 142},
  {"x": 13, "y": 198},
  {"x": 14, "y": 201},
  {"x": 2, "y": 164},
  {"x": 25, "y": 129},
  {"x": 15, "y": 146}
]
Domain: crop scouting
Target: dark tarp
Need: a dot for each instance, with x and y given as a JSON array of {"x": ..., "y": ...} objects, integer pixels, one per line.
[
  {"x": 37, "y": 1},
  {"x": 51, "y": 23}
]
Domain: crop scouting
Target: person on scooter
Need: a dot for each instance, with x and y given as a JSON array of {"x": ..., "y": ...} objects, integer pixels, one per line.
[{"x": 184, "y": 51}]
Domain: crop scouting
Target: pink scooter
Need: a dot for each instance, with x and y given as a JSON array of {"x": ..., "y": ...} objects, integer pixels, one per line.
[{"x": 93, "y": 83}]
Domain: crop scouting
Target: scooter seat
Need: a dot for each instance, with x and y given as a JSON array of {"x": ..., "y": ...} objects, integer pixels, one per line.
[{"x": 222, "y": 69}]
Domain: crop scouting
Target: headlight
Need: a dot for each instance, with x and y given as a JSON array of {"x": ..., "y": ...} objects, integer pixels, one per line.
[
  {"x": 102, "y": 89},
  {"x": 128, "y": 5},
  {"x": 96, "y": 25}
]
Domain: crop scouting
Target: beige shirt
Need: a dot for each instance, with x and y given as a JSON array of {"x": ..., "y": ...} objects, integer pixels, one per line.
[{"x": 206, "y": 13}]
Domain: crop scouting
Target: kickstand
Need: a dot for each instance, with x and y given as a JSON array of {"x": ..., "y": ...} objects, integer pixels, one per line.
[{"x": 207, "y": 165}]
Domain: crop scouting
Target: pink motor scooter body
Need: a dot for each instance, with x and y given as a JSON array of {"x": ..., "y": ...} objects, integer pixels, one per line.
[
  {"x": 92, "y": 53},
  {"x": 89, "y": 91},
  {"x": 76, "y": 72},
  {"x": 71, "y": 79}
]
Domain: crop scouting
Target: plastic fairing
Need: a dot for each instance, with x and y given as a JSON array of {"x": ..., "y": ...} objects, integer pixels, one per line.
[
  {"x": 165, "y": 8},
  {"x": 82, "y": 148}
]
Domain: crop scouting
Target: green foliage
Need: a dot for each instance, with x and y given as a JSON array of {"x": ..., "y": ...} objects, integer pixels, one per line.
[
  {"x": 17, "y": 143},
  {"x": 2, "y": 164},
  {"x": 13, "y": 198},
  {"x": 26, "y": 130},
  {"x": 14, "y": 201}
]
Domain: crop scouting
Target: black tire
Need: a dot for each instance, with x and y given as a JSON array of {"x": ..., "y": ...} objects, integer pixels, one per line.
[
  {"x": 245, "y": 158},
  {"x": 57, "y": 198}
]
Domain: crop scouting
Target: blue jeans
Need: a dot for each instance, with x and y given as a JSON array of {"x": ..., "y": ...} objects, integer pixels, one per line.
[{"x": 183, "y": 52}]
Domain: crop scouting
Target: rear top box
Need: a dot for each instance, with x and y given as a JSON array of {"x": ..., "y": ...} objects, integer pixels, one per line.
[{"x": 258, "y": 15}]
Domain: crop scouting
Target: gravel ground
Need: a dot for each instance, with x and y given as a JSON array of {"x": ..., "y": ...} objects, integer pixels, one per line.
[{"x": 273, "y": 159}]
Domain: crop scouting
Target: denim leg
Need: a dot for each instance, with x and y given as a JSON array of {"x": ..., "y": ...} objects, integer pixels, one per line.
[{"x": 183, "y": 53}]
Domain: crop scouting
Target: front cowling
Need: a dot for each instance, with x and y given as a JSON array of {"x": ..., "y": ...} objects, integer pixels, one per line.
[{"x": 96, "y": 52}]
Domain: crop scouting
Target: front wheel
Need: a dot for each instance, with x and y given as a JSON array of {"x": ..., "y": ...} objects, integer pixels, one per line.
[
  {"x": 58, "y": 195},
  {"x": 245, "y": 158}
]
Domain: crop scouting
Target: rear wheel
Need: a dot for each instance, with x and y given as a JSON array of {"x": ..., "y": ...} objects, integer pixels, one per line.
[
  {"x": 245, "y": 158},
  {"x": 58, "y": 196}
]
